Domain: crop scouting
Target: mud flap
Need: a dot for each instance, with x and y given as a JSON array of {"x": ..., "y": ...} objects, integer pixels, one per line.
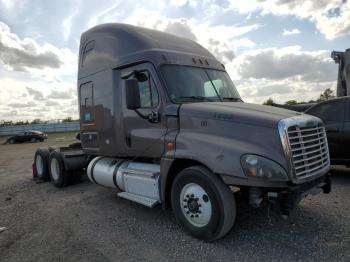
[{"x": 35, "y": 175}]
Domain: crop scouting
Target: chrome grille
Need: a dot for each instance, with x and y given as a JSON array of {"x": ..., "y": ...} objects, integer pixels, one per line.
[{"x": 309, "y": 149}]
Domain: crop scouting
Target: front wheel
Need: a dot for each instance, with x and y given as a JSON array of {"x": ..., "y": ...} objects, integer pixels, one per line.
[{"x": 202, "y": 203}]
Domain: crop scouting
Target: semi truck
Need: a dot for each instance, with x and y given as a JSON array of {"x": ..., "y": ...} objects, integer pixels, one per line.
[
  {"x": 163, "y": 124},
  {"x": 343, "y": 60}
]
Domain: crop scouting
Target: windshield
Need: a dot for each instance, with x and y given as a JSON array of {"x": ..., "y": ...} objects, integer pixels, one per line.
[{"x": 188, "y": 84}]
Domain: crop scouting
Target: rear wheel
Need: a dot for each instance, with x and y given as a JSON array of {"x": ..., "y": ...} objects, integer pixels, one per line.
[
  {"x": 59, "y": 176},
  {"x": 11, "y": 141},
  {"x": 202, "y": 203},
  {"x": 41, "y": 160}
]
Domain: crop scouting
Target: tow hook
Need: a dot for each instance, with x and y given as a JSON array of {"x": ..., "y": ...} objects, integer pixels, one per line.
[{"x": 255, "y": 197}]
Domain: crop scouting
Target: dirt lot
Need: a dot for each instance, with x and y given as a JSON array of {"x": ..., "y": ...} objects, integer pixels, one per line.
[{"x": 86, "y": 222}]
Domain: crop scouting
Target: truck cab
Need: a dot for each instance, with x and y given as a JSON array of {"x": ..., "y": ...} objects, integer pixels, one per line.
[
  {"x": 162, "y": 122},
  {"x": 335, "y": 114}
]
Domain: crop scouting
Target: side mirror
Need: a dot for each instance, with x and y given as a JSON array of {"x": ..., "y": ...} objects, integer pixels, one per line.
[{"x": 132, "y": 94}]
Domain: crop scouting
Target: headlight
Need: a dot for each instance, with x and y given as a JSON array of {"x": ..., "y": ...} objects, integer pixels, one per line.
[{"x": 261, "y": 167}]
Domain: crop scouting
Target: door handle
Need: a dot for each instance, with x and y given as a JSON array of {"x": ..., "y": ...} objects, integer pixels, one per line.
[{"x": 154, "y": 117}]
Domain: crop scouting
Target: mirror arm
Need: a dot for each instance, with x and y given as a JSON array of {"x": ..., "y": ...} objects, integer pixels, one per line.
[
  {"x": 126, "y": 76},
  {"x": 152, "y": 117},
  {"x": 140, "y": 114}
]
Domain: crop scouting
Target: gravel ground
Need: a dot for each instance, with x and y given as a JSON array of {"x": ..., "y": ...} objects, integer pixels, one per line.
[{"x": 86, "y": 222}]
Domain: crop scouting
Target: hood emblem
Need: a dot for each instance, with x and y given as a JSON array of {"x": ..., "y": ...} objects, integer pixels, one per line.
[{"x": 223, "y": 116}]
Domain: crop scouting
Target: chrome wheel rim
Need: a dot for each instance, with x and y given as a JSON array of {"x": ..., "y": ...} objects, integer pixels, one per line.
[
  {"x": 55, "y": 169},
  {"x": 195, "y": 205},
  {"x": 39, "y": 163}
]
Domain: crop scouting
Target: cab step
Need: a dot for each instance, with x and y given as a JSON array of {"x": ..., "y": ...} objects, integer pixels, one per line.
[{"x": 149, "y": 202}]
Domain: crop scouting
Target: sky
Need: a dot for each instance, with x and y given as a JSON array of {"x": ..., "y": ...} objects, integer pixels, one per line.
[{"x": 277, "y": 48}]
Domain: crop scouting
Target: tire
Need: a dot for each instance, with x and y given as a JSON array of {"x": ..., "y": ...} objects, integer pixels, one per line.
[
  {"x": 197, "y": 191},
  {"x": 41, "y": 160},
  {"x": 11, "y": 141},
  {"x": 33, "y": 140},
  {"x": 59, "y": 176}
]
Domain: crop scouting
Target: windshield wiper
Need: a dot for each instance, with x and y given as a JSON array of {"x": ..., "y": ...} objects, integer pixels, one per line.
[
  {"x": 197, "y": 98},
  {"x": 235, "y": 99}
]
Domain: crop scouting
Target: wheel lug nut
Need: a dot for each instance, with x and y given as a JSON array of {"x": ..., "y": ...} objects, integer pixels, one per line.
[
  {"x": 192, "y": 216},
  {"x": 205, "y": 198},
  {"x": 187, "y": 212},
  {"x": 192, "y": 195},
  {"x": 199, "y": 205},
  {"x": 187, "y": 196},
  {"x": 199, "y": 212},
  {"x": 196, "y": 199},
  {"x": 185, "y": 206}
]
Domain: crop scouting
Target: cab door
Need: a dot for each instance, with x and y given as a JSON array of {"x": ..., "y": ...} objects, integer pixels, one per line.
[{"x": 144, "y": 128}]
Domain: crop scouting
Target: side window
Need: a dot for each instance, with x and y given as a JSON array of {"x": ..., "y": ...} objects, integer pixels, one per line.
[
  {"x": 86, "y": 102},
  {"x": 88, "y": 50},
  {"x": 332, "y": 112},
  {"x": 148, "y": 91}
]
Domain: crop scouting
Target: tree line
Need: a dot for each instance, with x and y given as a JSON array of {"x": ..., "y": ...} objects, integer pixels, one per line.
[
  {"x": 325, "y": 95},
  {"x": 36, "y": 121}
]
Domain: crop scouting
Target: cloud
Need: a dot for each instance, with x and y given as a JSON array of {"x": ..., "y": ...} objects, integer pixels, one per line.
[
  {"x": 68, "y": 94},
  {"x": 219, "y": 39},
  {"x": 273, "y": 89},
  {"x": 288, "y": 62},
  {"x": 243, "y": 42},
  {"x": 180, "y": 29},
  {"x": 259, "y": 90},
  {"x": 289, "y": 73},
  {"x": 225, "y": 27},
  {"x": 294, "y": 31},
  {"x": 333, "y": 26},
  {"x": 10, "y": 114},
  {"x": 220, "y": 50},
  {"x": 21, "y": 54},
  {"x": 52, "y": 103},
  {"x": 37, "y": 95},
  {"x": 331, "y": 17},
  {"x": 21, "y": 105}
]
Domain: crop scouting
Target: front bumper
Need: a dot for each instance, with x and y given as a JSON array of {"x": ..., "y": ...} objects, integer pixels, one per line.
[
  {"x": 286, "y": 200},
  {"x": 286, "y": 196}
]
